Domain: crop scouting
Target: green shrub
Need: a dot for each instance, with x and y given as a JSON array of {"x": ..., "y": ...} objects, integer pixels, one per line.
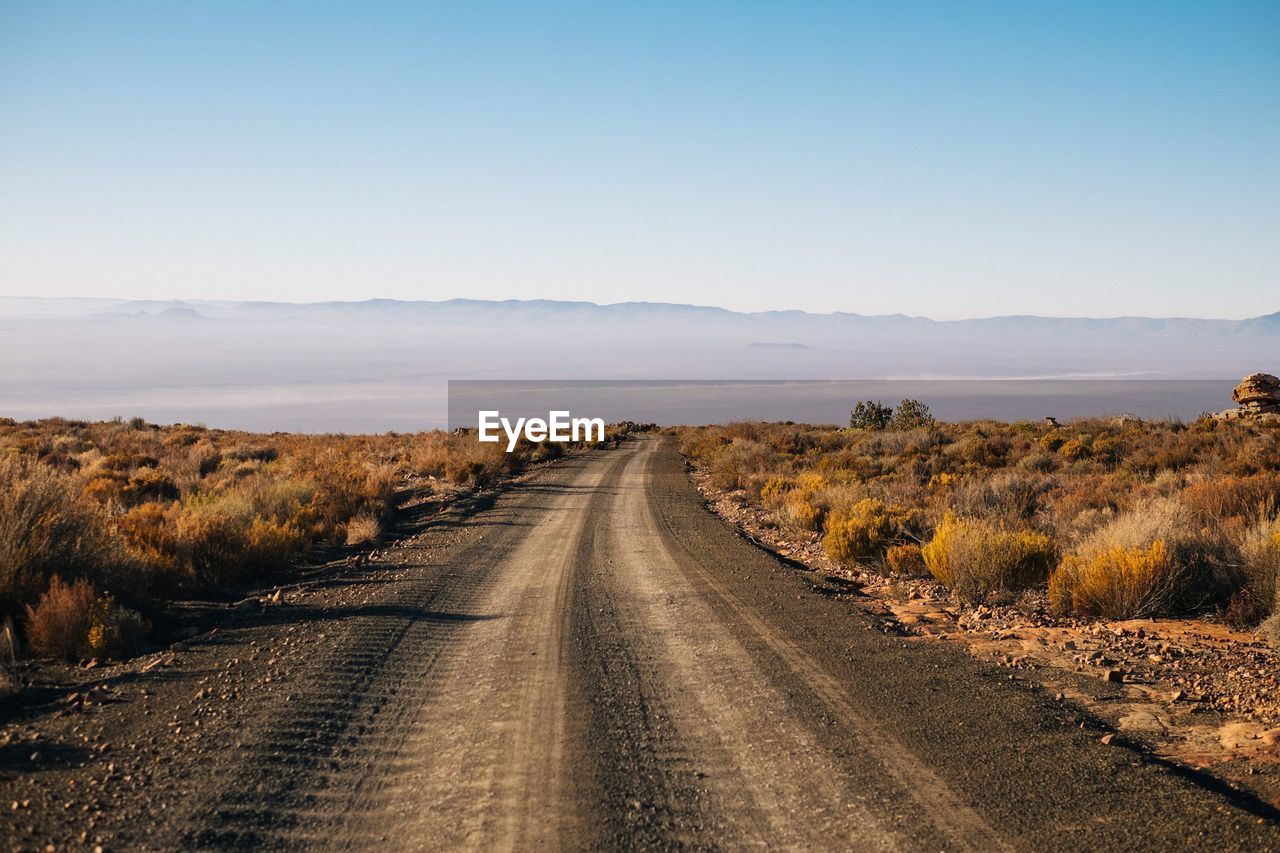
[
  {"x": 870, "y": 415},
  {"x": 911, "y": 414}
]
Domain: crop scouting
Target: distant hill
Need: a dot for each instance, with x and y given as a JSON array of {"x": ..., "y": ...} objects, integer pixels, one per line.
[
  {"x": 383, "y": 364},
  {"x": 541, "y": 337}
]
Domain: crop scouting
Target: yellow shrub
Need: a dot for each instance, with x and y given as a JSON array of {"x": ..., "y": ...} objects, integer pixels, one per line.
[
  {"x": 941, "y": 480},
  {"x": 976, "y": 557},
  {"x": 1075, "y": 449},
  {"x": 268, "y": 542},
  {"x": 775, "y": 488},
  {"x": 1116, "y": 583},
  {"x": 810, "y": 481},
  {"x": 114, "y": 631},
  {"x": 798, "y": 513},
  {"x": 1052, "y": 441},
  {"x": 860, "y": 532},
  {"x": 906, "y": 560}
]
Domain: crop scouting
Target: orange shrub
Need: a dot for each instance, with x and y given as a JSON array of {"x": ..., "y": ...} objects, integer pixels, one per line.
[{"x": 58, "y": 625}]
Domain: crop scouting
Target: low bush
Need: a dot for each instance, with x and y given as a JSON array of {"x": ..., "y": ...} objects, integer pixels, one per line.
[
  {"x": 1151, "y": 561},
  {"x": 363, "y": 529},
  {"x": 71, "y": 622},
  {"x": 976, "y": 557},
  {"x": 44, "y": 528},
  {"x": 907, "y": 560},
  {"x": 58, "y": 625},
  {"x": 859, "y": 532},
  {"x": 114, "y": 631},
  {"x": 1261, "y": 558},
  {"x": 1117, "y": 582}
]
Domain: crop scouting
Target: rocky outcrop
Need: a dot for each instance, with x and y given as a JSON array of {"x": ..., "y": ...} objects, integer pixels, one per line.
[
  {"x": 1258, "y": 389},
  {"x": 1258, "y": 394}
]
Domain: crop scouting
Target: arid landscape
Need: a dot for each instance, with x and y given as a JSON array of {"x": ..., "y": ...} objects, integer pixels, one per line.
[
  {"x": 905, "y": 633},
  {"x": 672, "y": 426}
]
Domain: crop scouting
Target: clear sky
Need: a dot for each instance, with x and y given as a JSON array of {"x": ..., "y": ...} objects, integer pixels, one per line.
[{"x": 946, "y": 159}]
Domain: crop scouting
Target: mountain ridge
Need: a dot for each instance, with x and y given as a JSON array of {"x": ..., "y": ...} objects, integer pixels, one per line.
[{"x": 108, "y": 305}]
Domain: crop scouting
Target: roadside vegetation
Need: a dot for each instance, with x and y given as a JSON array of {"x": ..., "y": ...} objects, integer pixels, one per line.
[
  {"x": 1106, "y": 518},
  {"x": 102, "y": 522}
]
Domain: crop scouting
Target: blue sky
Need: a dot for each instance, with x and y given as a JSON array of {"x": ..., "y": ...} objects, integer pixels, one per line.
[{"x": 942, "y": 159}]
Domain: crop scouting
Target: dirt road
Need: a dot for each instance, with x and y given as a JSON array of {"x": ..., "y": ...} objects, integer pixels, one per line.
[{"x": 593, "y": 662}]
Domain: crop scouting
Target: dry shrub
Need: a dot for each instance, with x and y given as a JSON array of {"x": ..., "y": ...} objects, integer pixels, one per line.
[
  {"x": 906, "y": 560},
  {"x": 58, "y": 625},
  {"x": 1214, "y": 499},
  {"x": 43, "y": 529},
  {"x": 793, "y": 502},
  {"x": 976, "y": 557},
  {"x": 859, "y": 532},
  {"x": 1147, "y": 562},
  {"x": 216, "y": 548},
  {"x": 1116, "y": 582},
  {"x": 743, "y": 465},
  {"x": 149, "y": 484},
  {"x": 775, "y": 489},
  {"x": 208, "y": 545},
  {"x": 70, "y": 622},
  {"x": 1261, "y": 583},
  {"x": 1007, "y": 495},
  {"x": 362, "y": 529},
  {"x": 797, "y": 513}
]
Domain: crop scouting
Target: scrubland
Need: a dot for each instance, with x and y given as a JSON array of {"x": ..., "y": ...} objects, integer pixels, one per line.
[
  {"x": 1105, "y": 518},
  {"x": 102, "y": 522}
]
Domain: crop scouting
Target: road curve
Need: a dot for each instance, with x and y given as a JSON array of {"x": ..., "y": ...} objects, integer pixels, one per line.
[{"x": 598, "y": 662}]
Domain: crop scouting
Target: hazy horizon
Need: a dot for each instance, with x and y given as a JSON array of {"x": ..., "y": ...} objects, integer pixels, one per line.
[
  {"x": 375, "y": 366},
  {"x": 196, "y": 300}
]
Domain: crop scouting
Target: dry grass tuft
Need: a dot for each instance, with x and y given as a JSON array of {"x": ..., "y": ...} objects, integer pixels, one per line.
[{"x": 363, "y": 529}]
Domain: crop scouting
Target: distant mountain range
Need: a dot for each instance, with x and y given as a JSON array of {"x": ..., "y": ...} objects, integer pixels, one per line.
[
  {"x": 293, "y": 363},
  {"x": 710, "y": 341},
  {"x": 549, "y": 309}
]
